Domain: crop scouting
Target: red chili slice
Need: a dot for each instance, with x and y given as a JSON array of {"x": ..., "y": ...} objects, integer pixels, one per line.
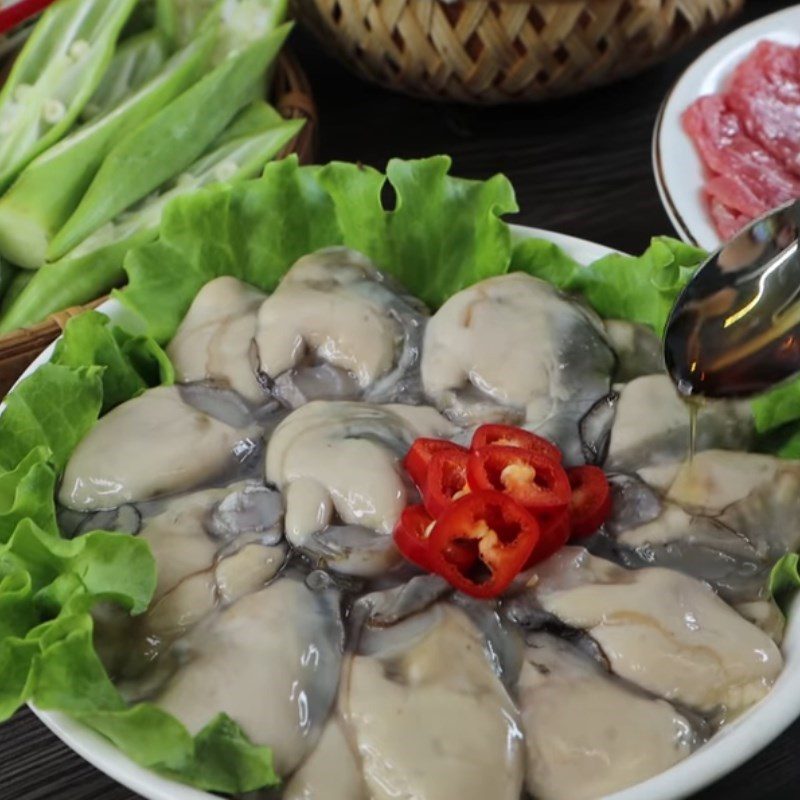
[
  {"x": 499, "y": 532},
  {"x": 446, "y": 480},
  {"x": 555, "y": 531},
  {"x": 590, "y": 504},
  {"x": 411, "y": 535},
  {"x": 532, "y": 479},
  {"x": 419, "y": 457},
  {"x": 509, "y": 436}
]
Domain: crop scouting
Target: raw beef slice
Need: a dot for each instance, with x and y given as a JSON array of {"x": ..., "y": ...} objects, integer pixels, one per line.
[
  {"x": 764, "y": 92},
  {"x": 744, "y": 176}
]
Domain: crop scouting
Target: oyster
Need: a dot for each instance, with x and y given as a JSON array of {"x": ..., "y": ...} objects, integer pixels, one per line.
[
  {"x": 215, "y": 340},
  {"x": 271, "y": 661},
  {"x": 336, "y": 328},
  {"x": 338, "y": 465},
  {"x": 587, "y": 733},
  {"x": 512, "y": 349},
  {"x": 429, "y": 716},
  {"x": 659, "y": 629},
  {"x": 150, "y": 446}
]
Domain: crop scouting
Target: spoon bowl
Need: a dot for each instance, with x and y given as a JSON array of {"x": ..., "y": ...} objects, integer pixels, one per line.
[{"x": 735, "y": 329}]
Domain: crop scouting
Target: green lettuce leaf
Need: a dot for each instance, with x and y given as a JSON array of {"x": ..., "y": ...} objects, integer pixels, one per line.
[
  {"x": 130, "y": 363},
  {"x": 443, "y": 233},
  {"x": 777, "y": 408},
  {"x": 641, "y": 289},
  {"x": 25, "y": 492},
  {"x": 48, "y": 585},
  {"x": 219, "y": 759},
  {"x": 53, "y": 408},
  {"x": 784, "y": 579}
]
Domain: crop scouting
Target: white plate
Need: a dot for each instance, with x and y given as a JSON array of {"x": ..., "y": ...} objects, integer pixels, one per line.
[
  {"x": 726, "y": 751},
  {"x": 678, "y": 169}
]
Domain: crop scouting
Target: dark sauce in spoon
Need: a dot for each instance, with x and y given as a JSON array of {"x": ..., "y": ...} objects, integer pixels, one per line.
[{"x": 735, "y": 330}]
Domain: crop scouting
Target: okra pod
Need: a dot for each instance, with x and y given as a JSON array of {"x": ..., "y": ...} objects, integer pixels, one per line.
[
  {"x": 164, "y": 145},
  {"x": 136, "y": 61},
  {"x": 56, "y": 73},
  {"x": 18, "y": 282},
  {"x": 51, "y": 187},
  {"x": 7, "y": 274},
  {"x": 58, "y": 286},
  {"x": 95, "y": 267},
  {"x": 240, "y": 21},
  {"x": 181, "y": 20}
]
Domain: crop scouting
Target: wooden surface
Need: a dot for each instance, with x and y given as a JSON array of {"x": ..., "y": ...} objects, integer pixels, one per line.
[{"x": 580, "y": 166}]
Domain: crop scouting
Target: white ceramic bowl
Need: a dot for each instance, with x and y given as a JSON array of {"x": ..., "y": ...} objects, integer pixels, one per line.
[
  {"x": 727, "y": 750},
  {"x": 678, "y": 169}
]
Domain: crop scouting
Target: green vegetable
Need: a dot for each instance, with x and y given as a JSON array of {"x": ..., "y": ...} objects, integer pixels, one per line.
[
  {"x": 641, "y": 289},
  {"x": 35, "y": 294},
  {"x": 180, "y": 20},
  {"x": 780, "y": 406},
  {"x": 256, "y": 230},
  {"x": 54, "y": 411},
  {"x": 241, "y": 21},
  {"x": 131, "y": 363},
  {"x": 169, "y": 141},
  {"x": 18, "y": 282},
  {"x": 136, "y": 61},
  {"x": 50, "y": 188},
  {"x": 241, "y": 152},
  {"x": 95, "y": 267},
  {"x": 47, "y": 586},
  {"x": 22, "y": 490},
  {"x": 244, "y": 22},
  {"x": 7, "y": 275},
  {"x": 56, "y": 73},
  {"x": 784, "y": 579}
]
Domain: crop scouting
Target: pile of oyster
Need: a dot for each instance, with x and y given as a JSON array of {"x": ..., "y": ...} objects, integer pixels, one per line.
[{"x": 268, "y": 483}]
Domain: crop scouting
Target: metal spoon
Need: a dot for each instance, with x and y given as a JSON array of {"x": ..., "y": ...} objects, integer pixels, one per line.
[{"x": 735, "y": 329}]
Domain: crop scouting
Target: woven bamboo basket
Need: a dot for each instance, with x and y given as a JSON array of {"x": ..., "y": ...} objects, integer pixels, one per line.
[
  {"x": 292, "y": 96},
  {"x": 499, "y": 51}
]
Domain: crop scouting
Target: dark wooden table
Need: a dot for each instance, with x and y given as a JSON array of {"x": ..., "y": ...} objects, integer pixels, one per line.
[{"x": 580, "y": 166}]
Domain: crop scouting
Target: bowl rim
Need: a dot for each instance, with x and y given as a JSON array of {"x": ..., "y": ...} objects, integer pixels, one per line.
[
  {"x": 728, "y": 749},
  {"x": 678, "y": 171}
]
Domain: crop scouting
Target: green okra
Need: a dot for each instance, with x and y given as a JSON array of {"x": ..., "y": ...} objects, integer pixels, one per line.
[
  {"x": 240, "y": 21},
  {"x": 50, "y": 189},
  {"x": 181, "y": 20},
  {"x": 94, "y": 268},
  {"x": 54, "y": 287},
  {"x": 56, "y": 73},
  {"x": 7, "y": 275},
  {"x": 142, "y": 19},
  {"x": 136, "y": 61},
  {"x": 164, "y": 145},
  {"x": 14, "y": 289}
]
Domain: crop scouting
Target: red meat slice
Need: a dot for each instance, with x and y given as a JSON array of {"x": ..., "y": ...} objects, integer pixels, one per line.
[
  {"x": 736, "y": 195},
  {"x": 764, "y": 92},
  {"x": 744, "y": 176},
  {"x": 727, "y": 222}
]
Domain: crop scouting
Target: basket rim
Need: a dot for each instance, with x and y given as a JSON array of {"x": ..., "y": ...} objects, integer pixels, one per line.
[{"x": 291, "y": 94}]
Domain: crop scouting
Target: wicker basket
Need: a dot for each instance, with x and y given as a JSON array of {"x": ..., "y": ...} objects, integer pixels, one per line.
[
  {"x": 292, "y": 97},
  {"x": 504, "y": 50}
]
